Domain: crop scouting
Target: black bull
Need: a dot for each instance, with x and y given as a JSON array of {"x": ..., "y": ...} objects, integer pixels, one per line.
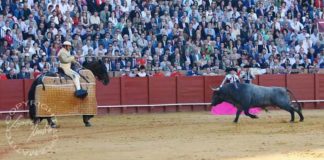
[{"x": 245, "y": 96}]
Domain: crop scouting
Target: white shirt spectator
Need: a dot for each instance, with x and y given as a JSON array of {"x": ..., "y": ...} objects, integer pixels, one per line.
[
  {"x": 70, "y": 7},
  {"x": 113, "y": 20},
  {"x": 170, "y": 24},
  {"x": 124, "y": 9},
  {"x": 189, "y": 1},
  {"x": 296, "y": 26},
  {"x": 31, "y": 42},
  {"x": 63, "y": 7},
  {"x": 277, "y": 25},
  {"x": 53, "y": 3},
  {"x": 314, "y": 37},
  {"x": 253, "y": 16},
  {"x": 283, "y": 12},
  {"x": 95, "y": 20},
  {"x": 142, "y": 43},
  {"x": 4, "y": 30},
  {"x": 236, "y": 14},
  {"x": 100, "y": 51},
  {"x": 292, "y": 60},
  {"x": 143, "y": 13},
  {"x": 56, "y": 21},
  {"x": 85, "y": 49},
  {"x": 307, "y": 43},
  {"x": 31, "y": 50},
  {"x": 54, "y": 31},
  {"x": 30, "y": 3}
]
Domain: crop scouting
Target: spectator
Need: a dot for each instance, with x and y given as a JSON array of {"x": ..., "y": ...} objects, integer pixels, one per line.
[
  {"x": 12, "y": 74},
  {"x": 246, "y": 75},
  {"x": 187, "y": 33},
  {"x": 175, "y": 72},
  {"x": 23, "y": 74},
  {"x": 3, "y": 76},
  {"x": 231, "y": 77},
  {"x": 209, "y": 72}
]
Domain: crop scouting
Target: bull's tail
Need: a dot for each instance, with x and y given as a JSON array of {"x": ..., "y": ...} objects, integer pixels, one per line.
[{"x": 294, "y": 98}]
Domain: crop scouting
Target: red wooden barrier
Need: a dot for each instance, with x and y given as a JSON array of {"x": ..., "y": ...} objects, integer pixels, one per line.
[
  {"x": 162, "y": 90},
  {"x": 11, "y": 94},
  {"x": 319, "y": 89},
  {"x": 273, "y": 80},
  {"x": 169, "y": 90},
  {"x": 27, "y": 85},
  {"x": 303, "y": 87},
  {"x": 256, "y": 80},
  {"x": 109, "y": 95},
  {"x": 134, "y": 91},
  {"x": 190, "y": 90}
]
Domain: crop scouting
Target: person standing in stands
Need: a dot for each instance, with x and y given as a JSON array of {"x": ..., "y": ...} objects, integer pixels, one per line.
[
  {"x": 231, "y": 77},
  {"x": 247, "y": 76}
]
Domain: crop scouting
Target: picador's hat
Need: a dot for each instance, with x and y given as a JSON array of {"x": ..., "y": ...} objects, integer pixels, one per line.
[{"x": 67, "y": 43}]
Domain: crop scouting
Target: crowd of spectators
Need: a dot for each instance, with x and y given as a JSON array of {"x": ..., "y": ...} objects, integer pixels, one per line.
[{"x": 161, "y": 37}]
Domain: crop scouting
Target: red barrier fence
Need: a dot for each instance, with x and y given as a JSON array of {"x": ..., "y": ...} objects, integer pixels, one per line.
[{"x": 165, "y": 92}]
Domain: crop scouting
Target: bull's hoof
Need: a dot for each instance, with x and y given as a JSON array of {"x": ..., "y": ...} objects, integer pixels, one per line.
[
  {"x": 253, "y": 116},
  {"x": 301, "y": 120}
]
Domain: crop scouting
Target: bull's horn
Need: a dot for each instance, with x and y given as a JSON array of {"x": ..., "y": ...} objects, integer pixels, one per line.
[{"x": 215, "y": 89}]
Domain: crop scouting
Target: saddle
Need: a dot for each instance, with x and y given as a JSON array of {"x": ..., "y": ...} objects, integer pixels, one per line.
[
  {"x": 78, "y": 93},
  {"x": 57, "y": 95},
  {"x": 85, "y": 74}
]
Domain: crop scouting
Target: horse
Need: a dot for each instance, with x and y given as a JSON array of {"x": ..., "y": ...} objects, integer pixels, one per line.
[{"x": 98, "y": 69}]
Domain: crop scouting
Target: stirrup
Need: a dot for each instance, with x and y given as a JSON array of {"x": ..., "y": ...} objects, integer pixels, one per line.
[{"x": 81, "y": 93}]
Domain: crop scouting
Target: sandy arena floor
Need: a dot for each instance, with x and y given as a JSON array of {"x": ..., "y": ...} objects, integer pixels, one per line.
[{"x": 171, "y": 136}]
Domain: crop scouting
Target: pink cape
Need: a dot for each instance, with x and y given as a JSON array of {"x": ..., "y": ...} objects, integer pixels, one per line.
[{"x": 228, "y": 109}]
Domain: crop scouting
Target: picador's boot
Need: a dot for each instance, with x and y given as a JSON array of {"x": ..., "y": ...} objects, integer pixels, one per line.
[{"x": 81, "y": 93}]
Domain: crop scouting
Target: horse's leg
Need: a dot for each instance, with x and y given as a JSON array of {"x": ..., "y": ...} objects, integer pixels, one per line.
[
  {"x": 86, "y": 119},
  {"x": 50, "y": 122},
  {"x": 32, "y": 114}
]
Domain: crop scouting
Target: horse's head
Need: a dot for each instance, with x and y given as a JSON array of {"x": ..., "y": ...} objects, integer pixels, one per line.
[{"x": 99, "y": 70}]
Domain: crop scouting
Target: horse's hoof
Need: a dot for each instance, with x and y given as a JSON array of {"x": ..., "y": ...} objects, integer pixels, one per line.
[
  {"x": 54, "y": 126},
  {"x": 87, "y": 124},
  {"x": 36, "y": 122}
]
